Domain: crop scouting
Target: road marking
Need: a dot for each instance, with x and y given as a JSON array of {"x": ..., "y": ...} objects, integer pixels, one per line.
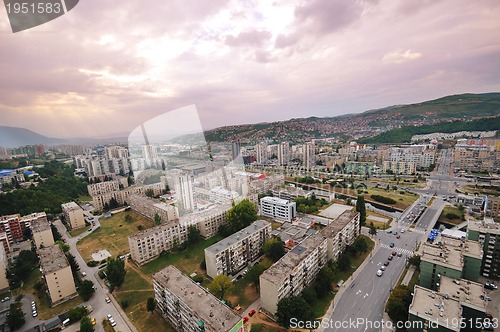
[
  {"x": 359, "y": 291},
  {"x": 401, "y": 250},
  {"x": 366, "y": 295}
]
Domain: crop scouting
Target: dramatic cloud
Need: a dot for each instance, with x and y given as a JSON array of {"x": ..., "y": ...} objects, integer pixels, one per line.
[{"x": 108, "y": 66}]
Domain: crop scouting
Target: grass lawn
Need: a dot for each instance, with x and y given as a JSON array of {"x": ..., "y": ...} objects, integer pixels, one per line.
[
  {"x": 378, "y": 224},
  {"x": 320, "y": 306},
  {"x": 454, "y": 210},
  {"x": 402, "y": 200},
  {"x": 136, "y": 290},
  {"x": 259, "y": 327},
  {"x": 244, "y": 294},
  {"x": 187, "y": 261},
  {"x": 84, "y": 198},
  {"x": 78, "y": 231},
  {"x": 45, "y": 311},
  {"x": 112, "y": 235}
]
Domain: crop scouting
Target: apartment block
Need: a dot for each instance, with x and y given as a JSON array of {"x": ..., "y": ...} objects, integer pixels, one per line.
[
  {"x": 150, "y": 207},
  {"x": 208, "y": 220},
  {"x": 487, "y": 233},
  {"x": 189, "y": 307},
  {"x": 261, "y": 152},
  {"x": 477, "y": 155},
  {"x": 455, "y": 300},
  {"x": 5, "y": 242},
  {"x": 235, "y": 252},
  {"x": 493, "y": 207},
  {"x": 122, "y": 196},
  {"x": 150, "y": 243},
  {"x": 341, "y": 232},
  {"x": 73, "y": 214},
  {"x": 309, "y": 155},
  {"x": 4, "y": 282},
  {"x": 283, "y": 153},
  {"x": 104, "y": 187},
  {"x": 290, "y": 275},
  {"x": 452, "y": 258},
  {"x": 277, "y": 208},
  {"x": 42, "y": 233},
  {"x": 401, "y": 167},
  {"x": 12, "y": 226},
  {"x": 57, "y": 274}
]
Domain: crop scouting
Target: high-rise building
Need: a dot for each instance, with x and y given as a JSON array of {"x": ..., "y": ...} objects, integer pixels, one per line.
[
  {"x": 488, "y": 236},
  {"x": 73, "y": 214},
  {"x": 235, "y": 149},
  {"x": 283, "y": 153},
  {"x": 261, "y": 152},
  {"x": 189, "y": 307},
  {"x": 42, "y": 233},
  {"x": 309, "y": 156},
  {"x": 277, "y": 208},
  {"x": 235, "y": 252},
  {"x": 57, "y": 274},
  {"x": 341, "y": 233},
  {"x": 149, "y": 152},
  {"x": 183, "y": 184}
]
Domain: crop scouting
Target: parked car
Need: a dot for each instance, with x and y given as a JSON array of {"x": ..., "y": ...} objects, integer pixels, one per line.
[
  {"x": 386, "y": 263},
  {"x": 245, "y": 319},
  {"x": 391, "y": 245},
  {"x": 394, "y": 253},
  {"x": 251, "y": 313},
  {"x": 400, "y": 254},
  {"x": 389, "y": 258},
  {"x": 383, "y": 267},
  {"x": 490, "y": 285},
  {"x": 380, "y": 273},
  {"x": 34, "y": 314}
]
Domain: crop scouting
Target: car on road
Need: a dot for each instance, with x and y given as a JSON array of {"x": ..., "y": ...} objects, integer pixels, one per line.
[
  {"x": 5, "y": 299},
  {"x": 389, "y": 232},
  {"x": 490, "y": 286},
  {"x": 400, "y": 254},
  {"x": 108, "y": 300},
  {"x": 389, "y": 258},
  {"x": 391, "y": 245},
  {"x": 395, "y": 233},
  {"x": 394, "y": 253},
  {"x": 383, "y": 267},
  {"x": 252, "y": 312},
  {"x": 110, "y": 316},
  {"x": 386, "y": 263},
  {"x": 84, "y": 273},
  {"x": 379, "y": 273},
  {"x": 398, "y": 237},
  {"x": 245, "y": 319},
  {"x": 34, "y": 313}
]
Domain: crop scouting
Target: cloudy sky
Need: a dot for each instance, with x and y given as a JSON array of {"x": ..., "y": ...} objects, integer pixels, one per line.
[{"x": 108, "y": 66}]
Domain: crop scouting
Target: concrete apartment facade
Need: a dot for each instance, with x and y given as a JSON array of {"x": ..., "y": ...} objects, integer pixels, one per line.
[
  {"x": 455, "y": 301},
  {"x": 488, "y": 236},
  {"x": 122, "y": 196},
  {"x": 42, "y": 233},
  {"x": 149, "y": 207},
  {"x": 453, "y": 258},
  {"x": 295, "y": 271},
  {"x": 57, "y": 274},
  {"x": 235, "y": 252},
  {"x": 73, "y": 214},
  {"x": 278, "y": 209},
  {"x": 4, "y": 282},
  {"x": 14, "y": 225},
  {"x": 341, "y": 232},
  {"x": 189, "y": 307},
  {"x": 493, "y": 208}
]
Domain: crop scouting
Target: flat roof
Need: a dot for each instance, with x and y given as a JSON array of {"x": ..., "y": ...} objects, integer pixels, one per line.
[
  {"x": 484, "y": 226},
  {"x": 281, "y": 270},
  {"x": 430, "y": 305},
  {"x": 276, "y": 200},
  {"x": 153, "y": 230},
  {"x": 466, "y": 291},
  {"x": 338, "y": 224},
  {"x": 210, "y": 309},
  {"x": 40, "y": 225},
  {"x": 70, "y": 206},
  {"x": 52, "y": 259},
  {"x": 238, "y": 236},
  {"x": 451, "y": 251}
]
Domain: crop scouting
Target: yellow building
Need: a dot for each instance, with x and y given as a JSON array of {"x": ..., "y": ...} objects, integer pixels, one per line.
[
  {"x": 4, "y": 282},
  {"x": 57, "y": 273},
  {"x": 73, "y": 215},
  {"x": 42, "y": 234}
]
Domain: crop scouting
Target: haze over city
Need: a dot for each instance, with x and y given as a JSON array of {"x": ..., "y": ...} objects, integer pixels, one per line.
[{"x": 240, "y": 62}]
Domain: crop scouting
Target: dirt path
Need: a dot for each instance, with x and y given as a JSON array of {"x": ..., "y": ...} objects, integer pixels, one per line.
[{"x": 136, "y": 269}]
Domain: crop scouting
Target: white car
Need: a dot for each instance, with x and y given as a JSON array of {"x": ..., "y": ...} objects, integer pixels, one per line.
[
  {"x": 379, "y": 273},
  {"x": 34, "y": 314},
  {"x": 110, "y": 316},
  {"x": 403, "y": 230},
  {"x": 383, "y": 267},
  {"x": 108, "y": 300}
]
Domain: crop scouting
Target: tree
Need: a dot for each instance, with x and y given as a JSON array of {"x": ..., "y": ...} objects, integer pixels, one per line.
[
  {"x": 293, "y": 307},
  {"x": 193, "y": 234},
  {"x": 115, "y": 271},
  {"x": 241, "y": 215},
  {"x": 157, "y": 219},
  {"x": 86, "y": 289},
  {"x": 253, "y": 275},
  {"x": 373, "y": 230},
  {"x": 86, "y": 324},
  {"x": 344, "y": 262},
  {"x": 113, "y": 203},
  {"x": 398, "y": 303},
  {"x": 360, "y": 245},
  {"x": 149, "y": 192},
  {"x": 415, "y": 260},
  {"x": 15, "y": 318},
  {"x": 274, "y": 249},
  {"x": 220, "y": 286},
  {"x": 361, "y": 208},
  {"x": 129, "y": 218},
  {"x": 150, "y": 305},
  {"x": 64, "y": 247},
  {"x": 75, "y": 314}
]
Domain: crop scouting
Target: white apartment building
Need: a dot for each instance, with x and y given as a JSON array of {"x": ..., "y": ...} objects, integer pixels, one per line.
[
  {"x": 42, "y": 233},
  {"x": 422, "y": 155},
  {"x": 278, "y": 209},
  {"x": 290, "y": 275},
  {"x": 189, "y": 307},
  {"x": 209, "y": 219},
  {"x": 122, "y": 196},
  {"x": 221, "y": 195},
  {"x": 100, "y": 188},
  {"x": 183, "y": 184},
  {"x": 341, "y": 232},
  {"x": 309, "y": 156},
  {"x": 73, "y": 214},
  {"x": 261, "y": 152},
  {"x": 149, "y": 207},
  {"x": 283, "y": 153},
  {"x": 235, "y": 252},
  {"x": 57, "y": 274}
]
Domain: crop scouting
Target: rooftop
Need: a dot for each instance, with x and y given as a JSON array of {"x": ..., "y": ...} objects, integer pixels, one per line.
[
  {"x": 70, "y": 206},
  {"x": 467, "y": 292},
  {"x": 52, "y": 259},
  {"x": 40, "y": 225},
  {"x": 484, "y": 226},
  {"x": 275, "y": 200},
  {"x": 238, "y": 236},
  {"x": 334, "y": 227},
  {"x": 433, "y": 306},
  {"x": 211, "y": 310},
  {"x": 281, "y": 270},
  {"x": 450, "y": 252},
  {"x": 153, "y": 230}
]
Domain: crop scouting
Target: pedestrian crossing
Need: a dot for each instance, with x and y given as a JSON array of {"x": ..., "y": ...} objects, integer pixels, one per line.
[
  {"x": 401, "y": 250},
  {"x": 420, "y": 231}
]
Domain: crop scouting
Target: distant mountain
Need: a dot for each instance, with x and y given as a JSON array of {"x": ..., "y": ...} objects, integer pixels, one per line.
[
  {"x": 462, "y": 107},
  {"x": 12, "y": 137}
]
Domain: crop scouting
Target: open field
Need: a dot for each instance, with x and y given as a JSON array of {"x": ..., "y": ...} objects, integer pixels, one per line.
[
  {"x": 452, "y": 210},
  {"x": 45, "y": 311},
  {"x": 378, "y": 224},
  {"x": 78, "y": 231},
  {"x": 113, "y": 234}
]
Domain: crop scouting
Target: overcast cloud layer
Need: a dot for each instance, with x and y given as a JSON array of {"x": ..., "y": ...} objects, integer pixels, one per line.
[{"x": 108, "y": 66}]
